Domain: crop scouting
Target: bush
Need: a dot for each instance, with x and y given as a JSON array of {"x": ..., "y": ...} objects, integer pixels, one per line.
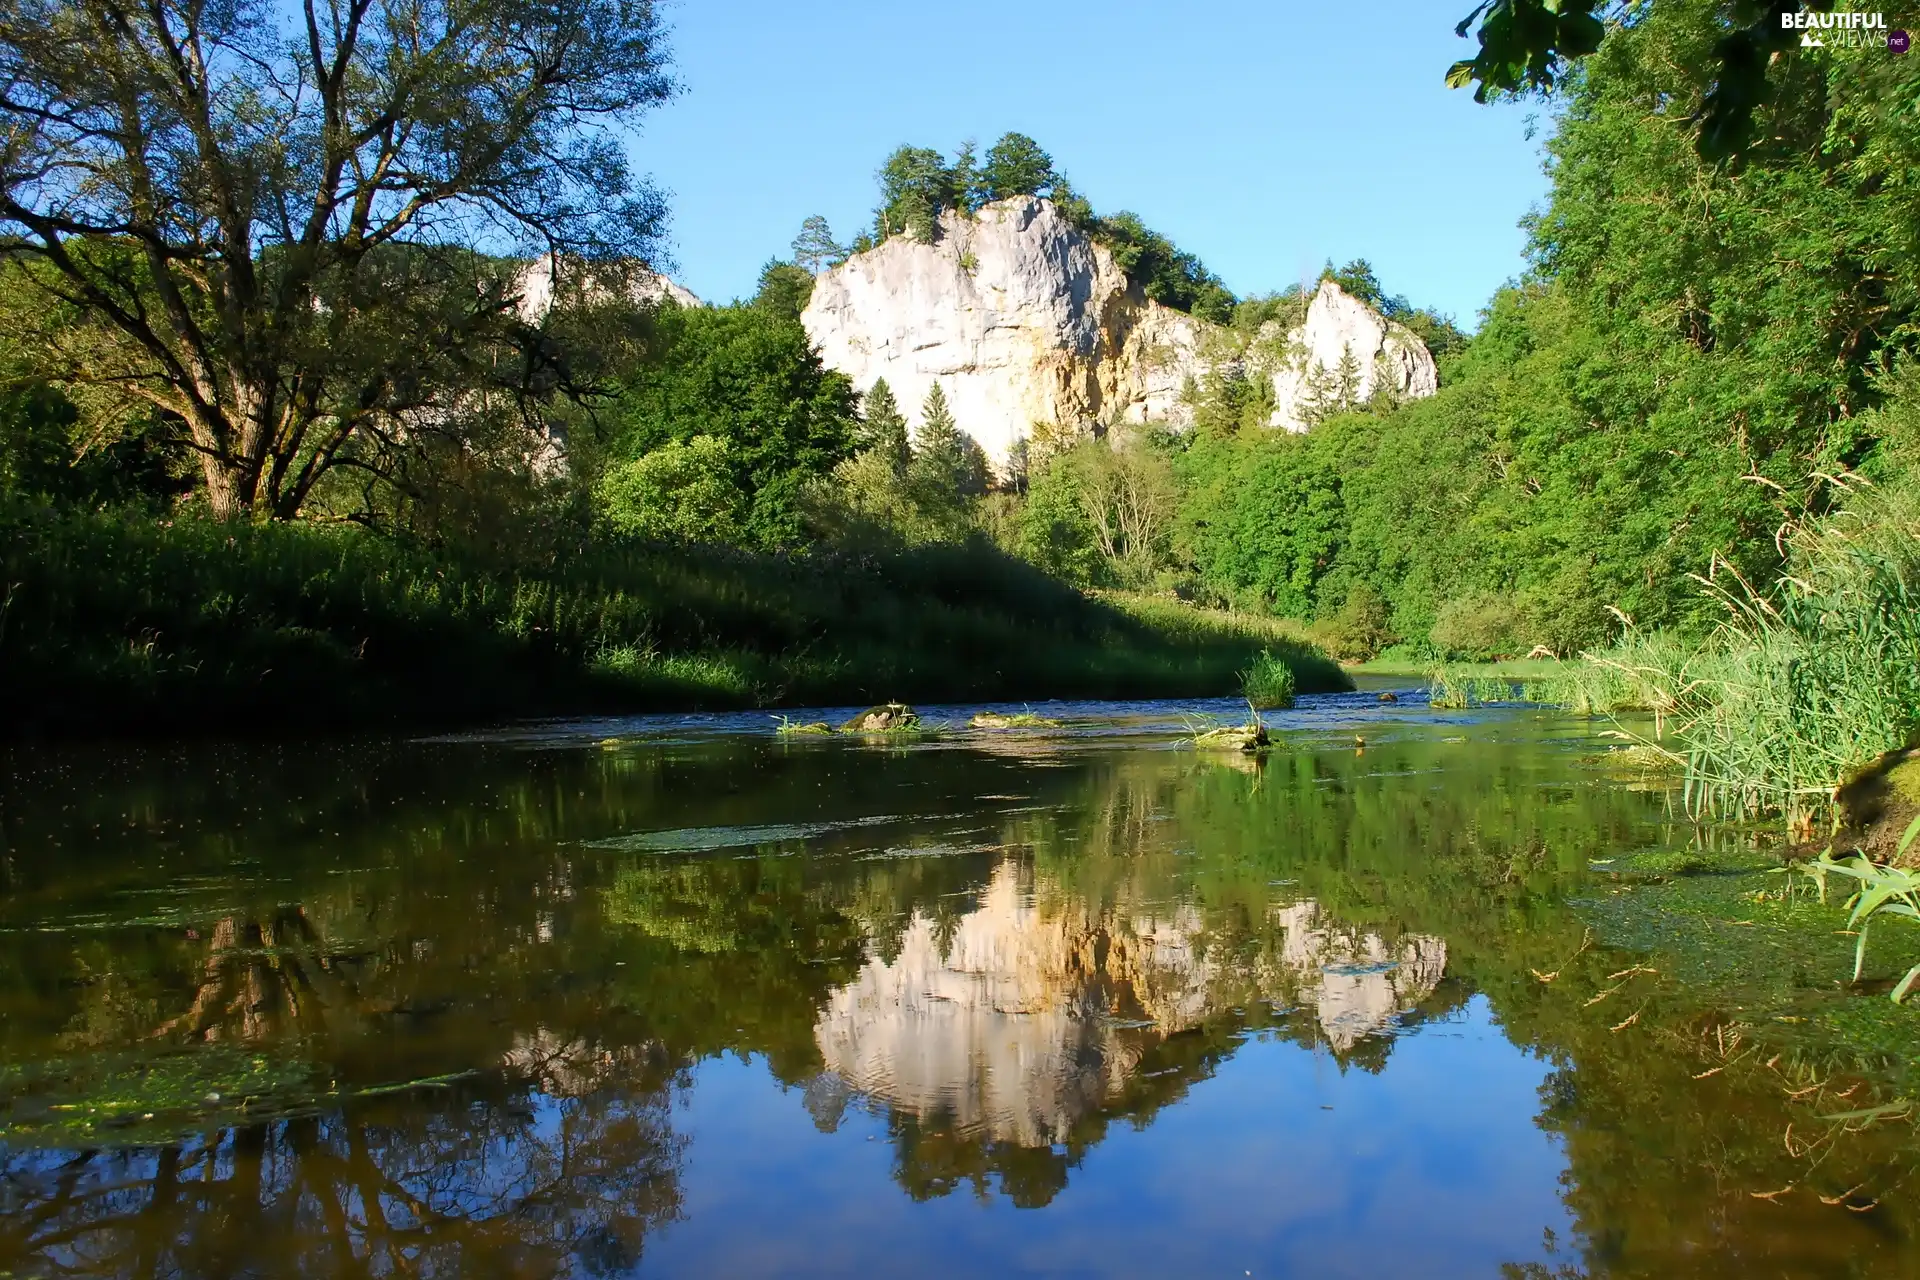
[
  {"x": 1480, "y": 627},
  {"x": 680, "y": 492},
  {"x": 1359, "y": 629}
]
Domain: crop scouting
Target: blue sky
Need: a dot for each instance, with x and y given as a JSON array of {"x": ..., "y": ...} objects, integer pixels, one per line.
[{"x": 1264, "y": 137}]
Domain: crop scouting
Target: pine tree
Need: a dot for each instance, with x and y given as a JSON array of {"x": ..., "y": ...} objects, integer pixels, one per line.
[
  {"x": 947, "y": 466},
  {"x": 883, "y": 427},
  {"x": 814, "y": 249}
]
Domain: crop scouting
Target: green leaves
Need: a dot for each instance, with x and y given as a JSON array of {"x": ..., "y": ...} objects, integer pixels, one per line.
[
  {"x": 1529, "y": 46},
  {"x": 1884, "y": 891}
]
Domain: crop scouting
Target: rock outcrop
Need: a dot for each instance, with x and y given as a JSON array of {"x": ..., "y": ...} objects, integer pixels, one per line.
[
  {"x": 1025, "y": 321},
  {"x": 534, "y": 285},
  {"x": 1386, "y": 359}
]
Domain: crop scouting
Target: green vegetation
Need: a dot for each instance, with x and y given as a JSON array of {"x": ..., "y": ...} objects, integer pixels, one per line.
[
  {"x": 1269, "y": 684},
  {"x": 120, "y": 620}
]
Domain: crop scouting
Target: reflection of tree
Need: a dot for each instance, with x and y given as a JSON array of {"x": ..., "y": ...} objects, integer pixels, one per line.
[
  {"x": 493, "y": 1179},
  {"x": 730, "y": 954},
  {"x": 457, "y": 925}
]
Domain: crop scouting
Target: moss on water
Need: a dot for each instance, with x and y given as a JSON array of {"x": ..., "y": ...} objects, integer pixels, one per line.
[
  {"x": 138, "y": 1098},
  {"x": 1770, "y": 954}
]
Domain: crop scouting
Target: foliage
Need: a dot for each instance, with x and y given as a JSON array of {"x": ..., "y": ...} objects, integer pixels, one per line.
[
  {"x": 916, "y": 187},
  {"x": 1480, "y": 627},
  {"x": 783, "y": 290},
  {"x": 117, "y": 621},
  {"x": 814, "y": 249},
  {"x": 1892, "y": 892},
  {"x": 682, "y": 491},
  {"x": 883, "y": 427},
  {"x": 746, "y": 376},
  {"x": 1530, "y": 44},
  {"x": 1360, "y": 628},
  {"x": 947, "y": 468},
  {"x": 1017, "y": 166},
  {"x": 278, "y": 255},
  {"x": 1101, "y": 511},
  {"x": 1809, "y": 684},
  {"x": 1166, "y": 274}
]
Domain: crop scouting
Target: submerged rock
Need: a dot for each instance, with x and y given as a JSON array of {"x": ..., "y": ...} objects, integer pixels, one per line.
[
  {"x": 1239, "y": 737},
  {"x": 1020, "y": 720},
  {"x": 1389, "y": 697},
  {"x": 888, "y": 717}
]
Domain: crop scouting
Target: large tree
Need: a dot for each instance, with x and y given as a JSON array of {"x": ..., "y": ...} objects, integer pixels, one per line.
[{"x": 290, "y": 226}]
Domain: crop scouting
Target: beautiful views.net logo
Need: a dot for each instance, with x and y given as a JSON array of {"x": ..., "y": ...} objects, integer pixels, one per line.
[{"x": 1845, "y": 31}]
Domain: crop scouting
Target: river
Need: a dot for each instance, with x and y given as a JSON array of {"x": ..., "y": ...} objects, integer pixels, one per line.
[{"x": 677, "y": 996}]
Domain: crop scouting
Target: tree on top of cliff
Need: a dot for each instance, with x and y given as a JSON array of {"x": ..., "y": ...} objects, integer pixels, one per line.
[
  {"x": 1016, "y": 166},
  {"x": 1166, "y": 274},
  {"x": 814, "y": 249},
  {"x": 916, "y": 186}
]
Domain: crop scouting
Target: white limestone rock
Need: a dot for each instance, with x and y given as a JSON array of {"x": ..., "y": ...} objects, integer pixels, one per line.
[
  {"x": 535, "y": 283},
  {"x": 1019, "y": 316},
  {"x": 1387, "y": 357},
  {"x": 1024, "y": 320}
]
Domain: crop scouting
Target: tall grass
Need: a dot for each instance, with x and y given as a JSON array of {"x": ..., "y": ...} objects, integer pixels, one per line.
[
  {"x": 115, "y": 622},
  {"x": 1799, "y": 691},
  {"x": 1269, "y": 684}
]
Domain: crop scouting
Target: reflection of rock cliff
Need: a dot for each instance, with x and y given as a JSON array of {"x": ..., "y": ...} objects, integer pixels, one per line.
[
  {"x": 1023, "y": 320},
  {"x": 1017, "y": 1019}
]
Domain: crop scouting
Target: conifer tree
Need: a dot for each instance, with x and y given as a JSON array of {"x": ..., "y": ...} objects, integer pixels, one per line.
[
  {"x": 814, "y": 249},
  {"x": 947, "y": 466},
  {"x": 884, "y": 428}
]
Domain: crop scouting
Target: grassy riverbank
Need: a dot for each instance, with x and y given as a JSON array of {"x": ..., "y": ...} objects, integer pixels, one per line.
[{"x": 122, "y": 623}]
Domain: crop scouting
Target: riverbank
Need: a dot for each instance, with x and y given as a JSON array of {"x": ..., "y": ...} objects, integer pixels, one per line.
[{"x": 117, "y": 623}]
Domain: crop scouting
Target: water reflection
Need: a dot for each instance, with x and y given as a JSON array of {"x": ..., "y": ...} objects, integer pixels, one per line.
[
  {"x": 1017, "y": 1019},
  {"x": 471, "y": 1009}
]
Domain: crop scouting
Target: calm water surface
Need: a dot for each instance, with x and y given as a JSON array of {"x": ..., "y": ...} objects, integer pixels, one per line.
[{"x": 675, "y": 997}]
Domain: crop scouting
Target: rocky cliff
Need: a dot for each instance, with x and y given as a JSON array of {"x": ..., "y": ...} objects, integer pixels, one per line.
[
  {"x": 1024, "y": 320},
  {"x": 534, "y": 285}
]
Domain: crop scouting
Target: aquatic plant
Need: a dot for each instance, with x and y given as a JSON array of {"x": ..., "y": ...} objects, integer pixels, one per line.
[
  {"x": 1269, "y": 684},
  {"x": 1806, "y": 687},
  {"x": 1885, "y": 891},
  {"x": 789, "y": 728}
]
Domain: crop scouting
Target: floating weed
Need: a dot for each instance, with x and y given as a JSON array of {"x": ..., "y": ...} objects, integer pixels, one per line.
[
  {"x": 126, "y": 1098},
  {"x": 788, "y": 728}
]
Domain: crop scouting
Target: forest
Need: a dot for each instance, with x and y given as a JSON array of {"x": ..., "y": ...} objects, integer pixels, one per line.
[{"x": 363, "y": 450}]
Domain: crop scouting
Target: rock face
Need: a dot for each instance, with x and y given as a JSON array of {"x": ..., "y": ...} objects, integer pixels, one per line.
[
  {"x": 1386, "y": 358},
  {"x": 1017, "y": 314},
  {"x": 535, "y": 287},
  {"x": 1025, "y": 321}
]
